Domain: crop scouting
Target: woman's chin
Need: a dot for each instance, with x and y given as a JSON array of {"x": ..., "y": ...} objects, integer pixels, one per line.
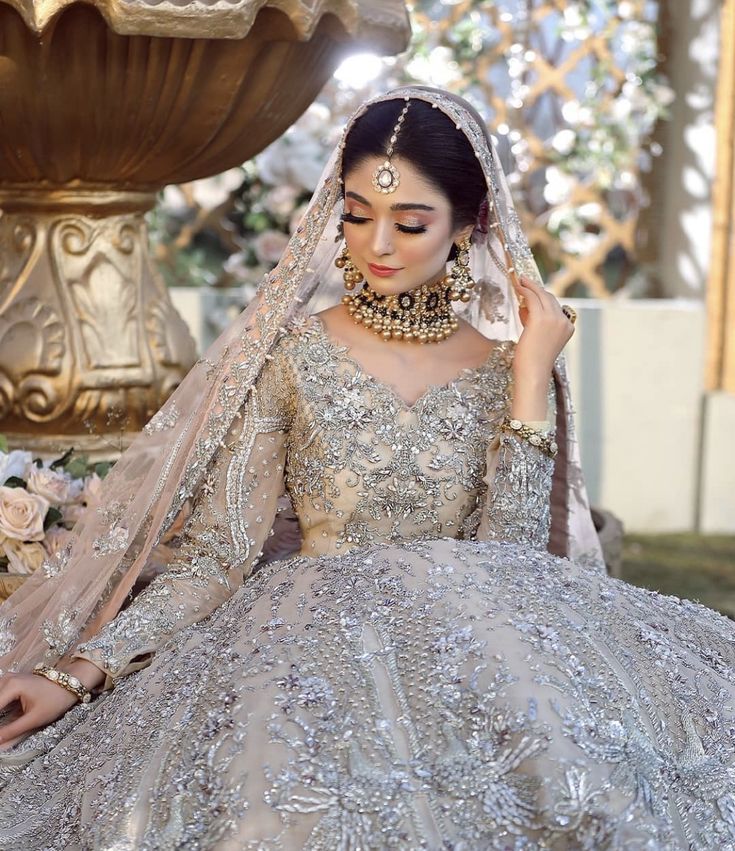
[{"x": 389, "y": 286}]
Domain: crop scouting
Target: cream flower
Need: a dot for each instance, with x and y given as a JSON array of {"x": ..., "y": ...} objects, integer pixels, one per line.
[
  {"x": 269, "y": 246},
  {"x": 71, "y": 514},
  {"x": 22, "y": 514},
  {"x": 57, "y": 488},
  {"x": 23, "y": 558},
  {"x": 91, "y": 490},
  {"x": 15, "y": 463},
  {"x": 56, "y": 539},
  {"x": 280, "y": 200}
]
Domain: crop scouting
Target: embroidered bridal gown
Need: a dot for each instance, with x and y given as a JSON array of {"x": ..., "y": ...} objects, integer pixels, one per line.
[{"x": 423, "y": 675}]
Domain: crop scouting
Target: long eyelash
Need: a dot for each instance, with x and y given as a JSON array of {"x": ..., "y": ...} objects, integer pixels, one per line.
[
  {"x": 356, "y": 220},
  {"x": 353, "y": 220}
]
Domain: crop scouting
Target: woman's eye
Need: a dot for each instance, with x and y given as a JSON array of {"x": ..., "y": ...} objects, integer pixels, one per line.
[
  {"x": 352, "y": 219},
  {"x": 409, "y": 229}
]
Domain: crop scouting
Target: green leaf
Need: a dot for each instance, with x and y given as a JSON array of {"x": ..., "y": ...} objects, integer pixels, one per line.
[
  {"x": 53, "y": 515},
  {"x": 78, "y": 468},
  {"x": 59, "y": 462},
  {"x": 3, "y": 443},
  {"x": 15, "y": 482},
  {"x": 103, "y": 468}
]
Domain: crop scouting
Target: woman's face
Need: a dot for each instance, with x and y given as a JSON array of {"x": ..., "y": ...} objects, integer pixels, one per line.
[{"x": 400, "y": 240}]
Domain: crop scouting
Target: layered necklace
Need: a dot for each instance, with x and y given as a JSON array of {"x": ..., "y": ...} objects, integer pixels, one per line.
[{"x": 423, "y": 314}]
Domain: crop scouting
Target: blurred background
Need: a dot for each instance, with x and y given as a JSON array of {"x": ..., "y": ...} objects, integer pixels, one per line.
[{"x": 615, "y": 124}]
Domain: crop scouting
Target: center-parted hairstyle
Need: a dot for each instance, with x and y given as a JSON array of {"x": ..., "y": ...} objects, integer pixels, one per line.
[{"x": 431, "y": 143}]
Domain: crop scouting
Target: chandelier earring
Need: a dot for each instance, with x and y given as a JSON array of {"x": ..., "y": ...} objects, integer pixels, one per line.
[
  {"x": 350, "y": 273},
  {"x": 459, "y": 280}
]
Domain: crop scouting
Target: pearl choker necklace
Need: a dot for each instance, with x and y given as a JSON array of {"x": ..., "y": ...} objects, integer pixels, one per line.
[{"x": 423, "y": 314}]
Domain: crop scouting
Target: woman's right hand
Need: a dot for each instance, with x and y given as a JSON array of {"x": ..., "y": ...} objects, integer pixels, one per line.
[{"x": 41, "y": 701}]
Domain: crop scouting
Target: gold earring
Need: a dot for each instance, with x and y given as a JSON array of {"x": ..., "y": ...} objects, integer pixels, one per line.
[
  {"x": 351, "y": 275},
  {"x": 459, "y": 280}
]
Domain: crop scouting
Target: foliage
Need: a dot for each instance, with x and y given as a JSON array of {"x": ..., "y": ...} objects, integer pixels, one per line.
[
  {"x": 40, "y": 501},
  {"x": 574, "y": 144}
]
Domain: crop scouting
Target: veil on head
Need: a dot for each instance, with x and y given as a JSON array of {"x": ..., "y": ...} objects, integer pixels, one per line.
[{"x": 83, "y": 586}]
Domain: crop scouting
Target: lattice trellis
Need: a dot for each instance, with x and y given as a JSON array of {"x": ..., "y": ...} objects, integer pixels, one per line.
[
  {"x": 540, "y": 70},
  {"x": 579, "y": 72}
]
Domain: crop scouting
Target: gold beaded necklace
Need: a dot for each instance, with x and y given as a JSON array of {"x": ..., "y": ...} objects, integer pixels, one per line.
[{"x": 423, "y": 314}]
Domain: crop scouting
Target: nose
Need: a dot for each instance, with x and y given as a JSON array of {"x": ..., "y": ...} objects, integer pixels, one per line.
[{"x": 382, "y": 238}]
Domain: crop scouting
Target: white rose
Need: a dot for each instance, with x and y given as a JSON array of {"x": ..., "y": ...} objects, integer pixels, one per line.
[
  {"x": 271, "y": 165},
  {"x": 315, "y": 119},
  {"x": 15, "y": 463},
  {"x": 54, "y": 486},
  {"x": 56, "y": 539},
  {"x": 22, "y": 514},
  {"x": 305, "y": 164},
  {"x": 210, "y": 192},
  {"x": 23, "y": 558},
  {"x": 70, "y": 514},
  {"x": 270, "y": 245},
  {"x": 91, "y": 489},
  {"x": 280, "y": 200}
]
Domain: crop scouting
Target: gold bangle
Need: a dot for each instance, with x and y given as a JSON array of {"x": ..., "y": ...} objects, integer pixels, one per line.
[
  {"x": 67, "y": 681},
  {"x": 545, "y": 443}
]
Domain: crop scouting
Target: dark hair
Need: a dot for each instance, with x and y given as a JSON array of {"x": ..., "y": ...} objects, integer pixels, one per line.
[{"x": 432, "y": 144}]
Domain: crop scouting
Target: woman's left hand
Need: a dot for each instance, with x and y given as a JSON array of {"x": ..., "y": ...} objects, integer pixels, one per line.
[{"x": 546, "y": 330}]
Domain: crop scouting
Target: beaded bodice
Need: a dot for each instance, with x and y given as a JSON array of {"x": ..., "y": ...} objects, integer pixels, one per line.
[{"x": 362, "y": 466}]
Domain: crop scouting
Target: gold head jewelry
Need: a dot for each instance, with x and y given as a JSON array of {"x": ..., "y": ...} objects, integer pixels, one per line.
[{"x": 386, "y": 177}]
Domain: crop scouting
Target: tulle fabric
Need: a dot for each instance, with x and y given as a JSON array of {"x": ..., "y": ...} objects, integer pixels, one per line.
[{"x": 84, "y": 586}]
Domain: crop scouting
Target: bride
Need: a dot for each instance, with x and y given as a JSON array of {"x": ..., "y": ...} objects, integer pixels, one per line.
[{"x": 429, "y": 654}]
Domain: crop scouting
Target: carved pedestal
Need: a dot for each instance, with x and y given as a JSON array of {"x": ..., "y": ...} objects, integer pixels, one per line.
[
  {"x": 101, "y": 104},
  {"x": 88, "y": 334}
]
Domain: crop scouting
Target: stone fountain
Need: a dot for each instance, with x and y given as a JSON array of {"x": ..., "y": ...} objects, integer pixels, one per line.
[{"x": 102, "y": 104}]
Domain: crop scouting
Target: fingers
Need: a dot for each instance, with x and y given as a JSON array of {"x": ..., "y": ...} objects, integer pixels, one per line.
[
  {"x": 9, "y": 691},
  {"x": 547, "y": 300},
  {"x": 532, "y": 294},
  {"x": 24, "y": 724}
]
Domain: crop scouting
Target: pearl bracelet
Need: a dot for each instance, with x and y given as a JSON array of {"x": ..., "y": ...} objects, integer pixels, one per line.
[
  {"x": 69, "y": 682},
  {"x": 545, "y": 443}
]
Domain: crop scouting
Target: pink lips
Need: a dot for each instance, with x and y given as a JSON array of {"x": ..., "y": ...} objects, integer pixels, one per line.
[{"x": 382, "y": 271}]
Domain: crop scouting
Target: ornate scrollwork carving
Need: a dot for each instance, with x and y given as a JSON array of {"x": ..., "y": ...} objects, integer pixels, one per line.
[{"x": 124, "y": 348}]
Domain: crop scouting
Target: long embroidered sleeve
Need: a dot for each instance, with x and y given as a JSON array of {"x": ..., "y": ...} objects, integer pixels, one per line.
[
  {"x": 232, "y": 514},
  {"x": 518, "y": 500}
]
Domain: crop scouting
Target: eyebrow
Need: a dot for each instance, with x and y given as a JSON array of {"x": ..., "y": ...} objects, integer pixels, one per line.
[{"x": 394, "y": 207}]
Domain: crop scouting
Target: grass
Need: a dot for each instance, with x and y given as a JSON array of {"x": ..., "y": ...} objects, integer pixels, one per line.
[{"x": 697, "y": 567}]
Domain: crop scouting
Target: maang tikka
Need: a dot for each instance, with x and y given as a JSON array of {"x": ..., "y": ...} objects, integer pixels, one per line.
[{"x": 386, "y": 177}]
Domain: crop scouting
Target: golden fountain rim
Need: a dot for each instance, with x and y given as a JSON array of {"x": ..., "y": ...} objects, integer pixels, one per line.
[
  {"x": 105, "y": 200},
  {"x": 382, "y": 24}
]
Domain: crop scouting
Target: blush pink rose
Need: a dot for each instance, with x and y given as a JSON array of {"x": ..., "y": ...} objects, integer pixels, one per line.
[
  {"x": 270, "y": 245},
  {"x": 22, "y": 514},
  {"x": 23, "y": 558},
  {"x": 56, "y": 539},
  {"x": 57, "y": 488},
  {"x": 91, "y": 489}
]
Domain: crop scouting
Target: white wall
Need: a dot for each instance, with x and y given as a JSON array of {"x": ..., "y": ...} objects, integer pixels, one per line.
[{"x": 655, "y": 450}]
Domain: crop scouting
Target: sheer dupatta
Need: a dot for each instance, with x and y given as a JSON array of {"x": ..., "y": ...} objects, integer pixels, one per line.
[{"x": 83, "y": 587}]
